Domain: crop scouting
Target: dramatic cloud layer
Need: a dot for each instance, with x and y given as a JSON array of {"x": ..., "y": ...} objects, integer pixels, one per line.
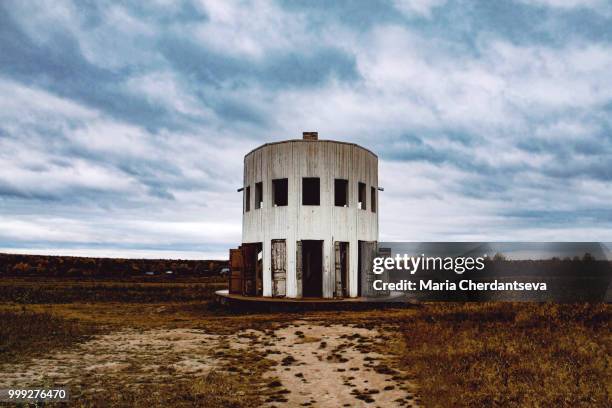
[{"x": 123, "y": 125}]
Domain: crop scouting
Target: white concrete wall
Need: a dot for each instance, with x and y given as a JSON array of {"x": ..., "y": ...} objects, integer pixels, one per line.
[{"x": 327, "y": 160}]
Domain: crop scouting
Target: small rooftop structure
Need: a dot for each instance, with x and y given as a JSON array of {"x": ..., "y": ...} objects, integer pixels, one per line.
[{"x": 310, "y": 135}]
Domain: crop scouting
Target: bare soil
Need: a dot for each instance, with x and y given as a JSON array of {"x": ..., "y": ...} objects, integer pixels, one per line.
[
  {"x": 334, "y": 366},
  {"x": 312, "y": 363}
]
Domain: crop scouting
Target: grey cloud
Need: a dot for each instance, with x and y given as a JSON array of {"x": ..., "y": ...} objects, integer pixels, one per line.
[
  {"x": 60, "y": 67},
  {"x": 471, "y": 128},
  {"x": 221, "y": 75}
]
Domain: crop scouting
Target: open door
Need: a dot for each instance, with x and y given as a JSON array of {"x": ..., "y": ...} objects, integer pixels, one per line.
[
  {"x": 252, "y": 282},
  {"x": 312, "y": 268},
  {"x": 259, "y": 271},
  {"x": 279, "y": 267},
  {"x": 341, "y": 270}
]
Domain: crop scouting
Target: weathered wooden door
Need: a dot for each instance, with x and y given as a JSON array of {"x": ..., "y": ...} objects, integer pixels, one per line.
[
  {"x": 367, "y": 252},
  {"x": 298, "y": 268},
  {"x": 236, "y": 267},
  {"x": 383, "y": 253},
  {"x": 341, "y": 268},
  {"x": 279, "y": 267},
  {"x": 249, "y": 276},
  {"x": 338, "y": 270}
]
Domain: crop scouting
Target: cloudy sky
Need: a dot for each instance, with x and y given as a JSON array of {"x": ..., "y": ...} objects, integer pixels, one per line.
[{"x": 123, "y": 125}]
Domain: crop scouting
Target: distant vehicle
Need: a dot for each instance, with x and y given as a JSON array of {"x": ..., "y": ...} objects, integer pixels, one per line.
[
  {"x": 150, "y": 273},
  {"x": 224, "y": 271},
  {"x": 169, "y": 272}
]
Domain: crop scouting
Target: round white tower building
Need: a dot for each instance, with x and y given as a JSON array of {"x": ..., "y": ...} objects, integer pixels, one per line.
[{"x": 309, "y": 206}]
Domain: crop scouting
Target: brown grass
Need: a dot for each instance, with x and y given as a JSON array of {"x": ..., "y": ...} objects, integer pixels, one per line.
[
  {"x": 215, "y": 389},
  {"x": 460, "y": 355},
  {"x": 28, "y": 291},
  {"x": 25, "y": 334},
  {"x": 510, "y": 355}
]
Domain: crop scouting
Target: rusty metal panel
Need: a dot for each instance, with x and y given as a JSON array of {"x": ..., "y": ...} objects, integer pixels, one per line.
[
  {"x": 279, "y": 267},
  {"x": 236, "y": 267}
]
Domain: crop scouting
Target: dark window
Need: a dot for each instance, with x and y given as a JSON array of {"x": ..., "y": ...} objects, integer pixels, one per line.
[
  {"x": 280, "y": 192},
  {"x": 361, "y": 203},
  {"x": 247, "y": 199},
  {"x": 341, "y": 193},
  {"x": 373, "y": 199},
  {"x": 258, "y": 195},
  {"x": 311, "y": 194}
]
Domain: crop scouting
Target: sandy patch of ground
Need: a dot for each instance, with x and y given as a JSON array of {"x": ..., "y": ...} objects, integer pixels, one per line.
[
  {"x": 334, "y": 366},
  {"x": 313, "y": 363},
  {"x": 129, "y": 356}
]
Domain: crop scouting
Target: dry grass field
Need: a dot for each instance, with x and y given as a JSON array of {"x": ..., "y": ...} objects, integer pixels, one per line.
[{"x": 148, "y": 344}]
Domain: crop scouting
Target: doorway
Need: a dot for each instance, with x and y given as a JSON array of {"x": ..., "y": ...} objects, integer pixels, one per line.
[
  {"x": 311, "y": 257},
  {"x": 252, "y": 279},
  {"x": 341, "y": 250}
]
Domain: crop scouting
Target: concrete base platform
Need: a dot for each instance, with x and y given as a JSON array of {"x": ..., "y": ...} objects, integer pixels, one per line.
[{"x": 274, "y": 304}]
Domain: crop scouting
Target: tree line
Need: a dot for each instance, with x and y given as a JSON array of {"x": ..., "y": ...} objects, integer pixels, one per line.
[{"x": 73, "y": 266}]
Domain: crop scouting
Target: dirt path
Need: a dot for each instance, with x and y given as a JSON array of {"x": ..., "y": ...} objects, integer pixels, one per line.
[
  {"x": 335, "y": 366},
  {"x": 316, "y": 364}
]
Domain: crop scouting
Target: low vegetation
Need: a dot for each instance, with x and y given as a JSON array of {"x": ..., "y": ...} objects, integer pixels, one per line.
[
  {"x": 510, "y": 354},
  {"x": 55, "y": 290},
  {"x": 215, "y": 389},
  {"x": 25, "y": 334},
  {"x": 458, "y": 354}
]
